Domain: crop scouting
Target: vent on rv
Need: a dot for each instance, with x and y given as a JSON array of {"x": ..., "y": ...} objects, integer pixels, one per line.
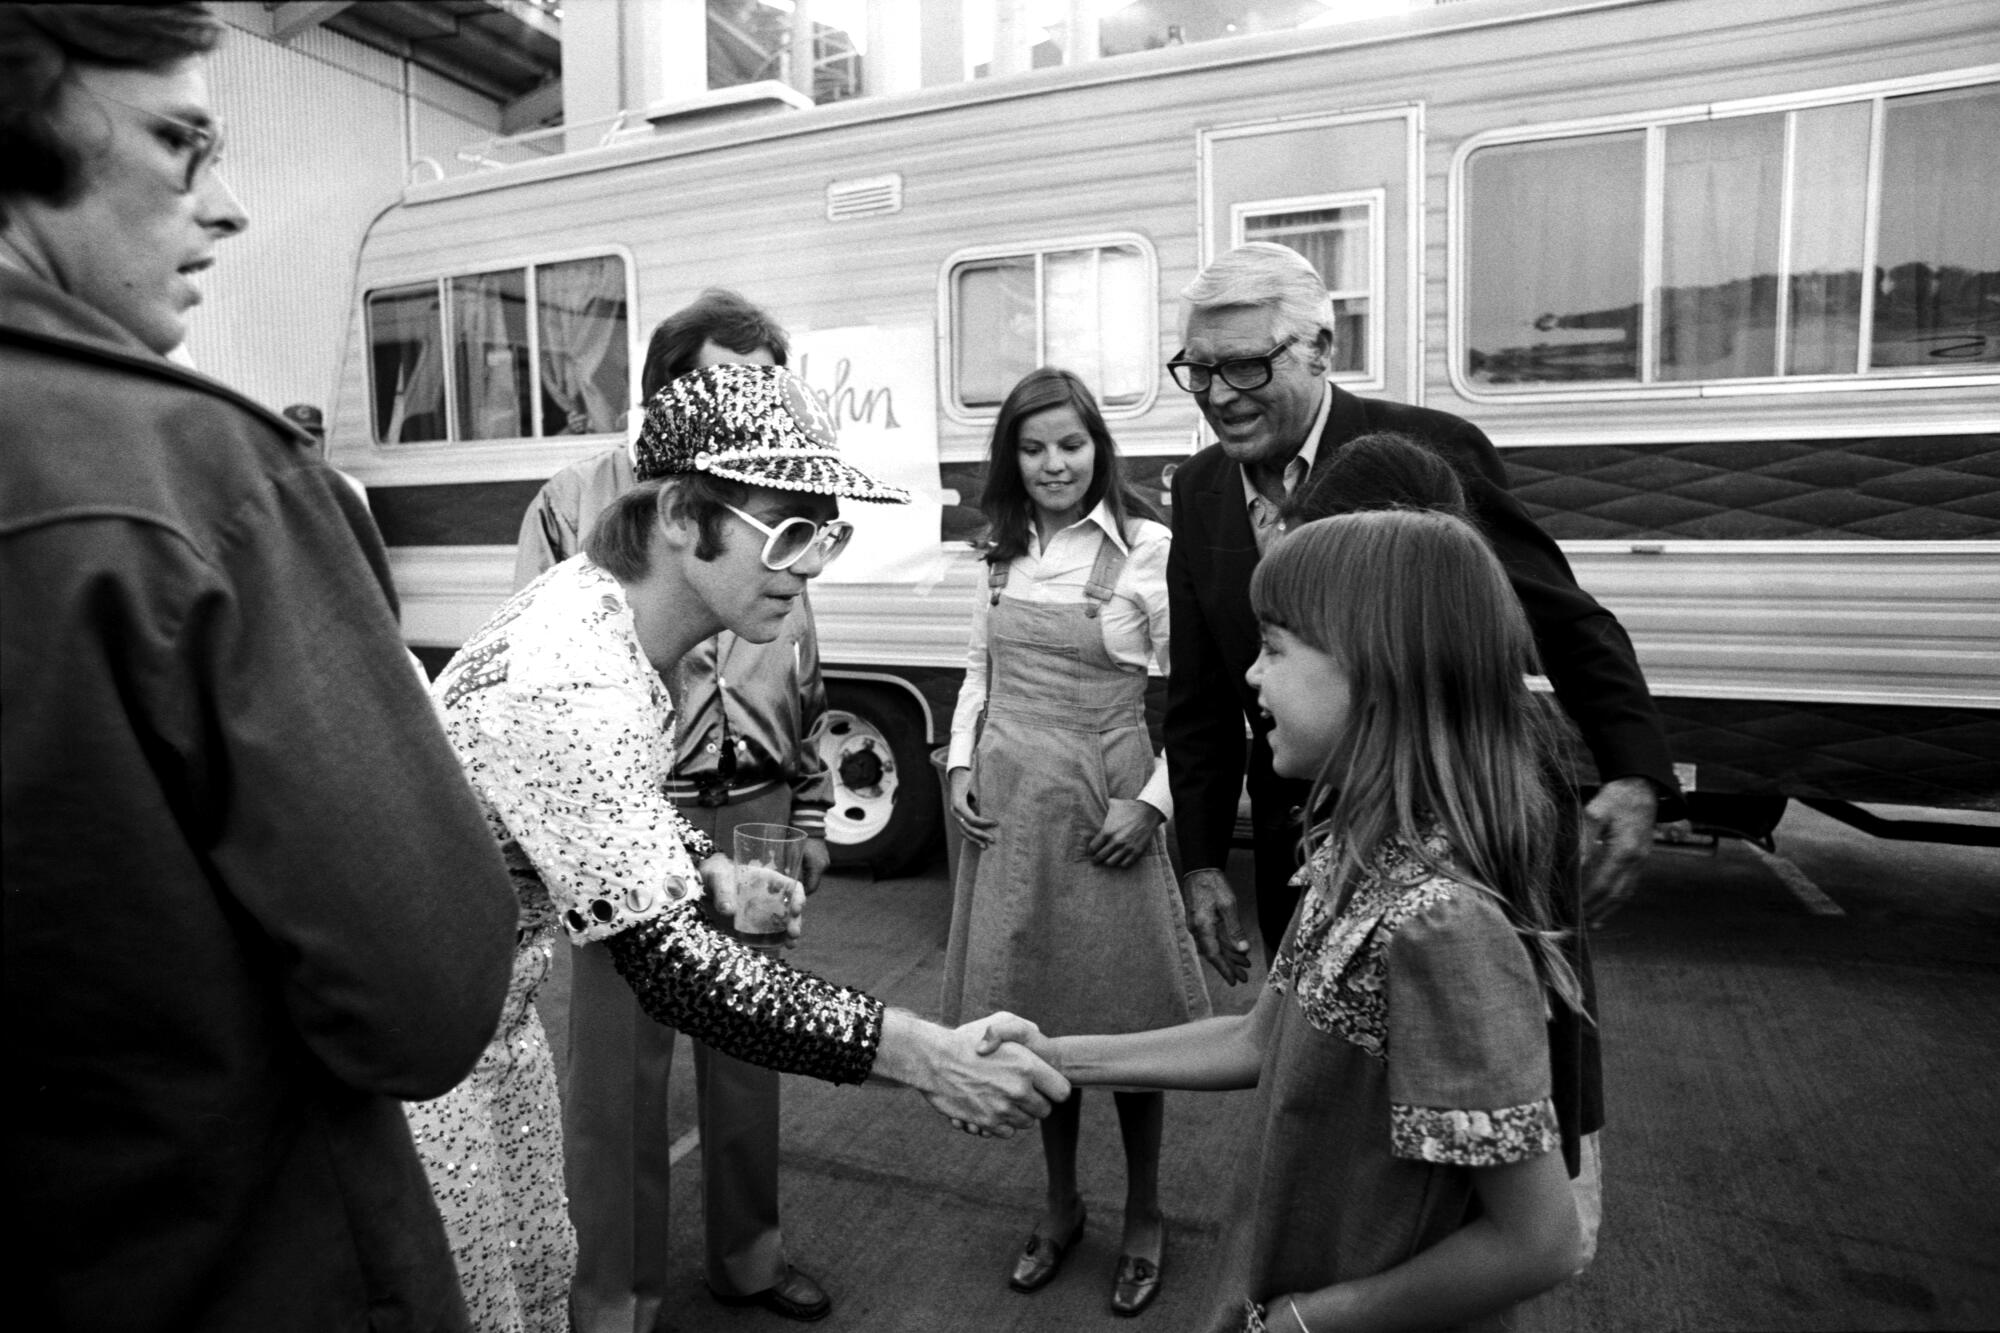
[{"x": 868, "y": 197}]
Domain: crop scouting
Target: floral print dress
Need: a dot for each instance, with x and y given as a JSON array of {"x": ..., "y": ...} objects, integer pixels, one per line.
[{"x": 1412, "y": 1047}]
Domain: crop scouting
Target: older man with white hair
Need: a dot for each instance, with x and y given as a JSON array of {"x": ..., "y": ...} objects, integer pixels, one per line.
[{"x": 1257, "y": 348}]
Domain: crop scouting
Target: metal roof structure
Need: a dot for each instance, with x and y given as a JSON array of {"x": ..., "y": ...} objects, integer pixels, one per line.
[{"x": 508, "y": 50}]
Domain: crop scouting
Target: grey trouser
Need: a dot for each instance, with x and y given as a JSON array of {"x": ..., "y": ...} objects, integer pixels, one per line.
[{"x": 616, "y": 1150}]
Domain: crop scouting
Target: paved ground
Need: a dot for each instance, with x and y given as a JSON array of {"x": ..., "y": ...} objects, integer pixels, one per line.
[{"x": 1804, "y": 1080}]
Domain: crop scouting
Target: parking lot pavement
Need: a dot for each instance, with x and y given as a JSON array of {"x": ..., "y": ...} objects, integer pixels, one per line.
[{"x": 1800, "y": 1106}]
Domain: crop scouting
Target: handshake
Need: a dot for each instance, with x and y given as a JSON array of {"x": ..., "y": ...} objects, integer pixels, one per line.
[{"x": 990, "y": 1077}]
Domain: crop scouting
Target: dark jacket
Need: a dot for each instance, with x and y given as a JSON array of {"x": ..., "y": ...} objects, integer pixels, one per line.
[
  {"x": 250, "y": 900},
  {"x": 1584, "y": 650}
]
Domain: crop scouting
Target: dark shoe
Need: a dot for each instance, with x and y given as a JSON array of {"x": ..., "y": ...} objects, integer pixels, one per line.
[
  {"x": 1134, "y": 1285},
  {"x": 795, "y": 1297},
  {"x": 1041, "y": 1259}
]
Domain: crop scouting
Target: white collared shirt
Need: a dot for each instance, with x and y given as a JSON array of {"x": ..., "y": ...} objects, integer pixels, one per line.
[{"x": 1133, "y": 621}]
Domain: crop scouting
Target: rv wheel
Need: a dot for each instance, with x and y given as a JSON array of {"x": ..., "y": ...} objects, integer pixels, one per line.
[{"x": 885, "y": 811}]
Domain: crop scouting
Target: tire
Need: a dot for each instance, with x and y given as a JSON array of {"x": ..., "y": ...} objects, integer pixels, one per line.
[{"x": 886, "y": 814}]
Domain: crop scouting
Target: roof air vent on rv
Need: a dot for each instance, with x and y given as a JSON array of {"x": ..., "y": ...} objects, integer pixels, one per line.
[{"x": 868, "y": 197}]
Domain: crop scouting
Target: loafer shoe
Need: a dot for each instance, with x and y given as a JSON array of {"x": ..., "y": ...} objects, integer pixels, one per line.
[
  {"x": 1041, "y": 1258},
  {"x": 1134, "y": 1285},
  {"x": 795, "y": 1296}
]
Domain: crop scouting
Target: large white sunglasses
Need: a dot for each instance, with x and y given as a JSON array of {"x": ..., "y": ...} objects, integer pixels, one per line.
[{"x": 789, "y": 542}]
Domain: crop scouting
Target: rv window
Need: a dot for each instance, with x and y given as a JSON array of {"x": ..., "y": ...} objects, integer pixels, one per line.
[
  {"x": 994, "y": 338},
  {"x": 489, "y": 326},
  {"x": 1340, "y": 243},
  {"x": 1829, "y": 239},
  {"x": 565, "y": 372},
  {"x": 1763, "y": 227},
  {"x": 1937, "y": 262},
  {"x": 405, "y": 349},
  {"x": 1553, "y": 261},
  {"x": 1086, "y": 310},
  {"x": 586, "y": 382}
]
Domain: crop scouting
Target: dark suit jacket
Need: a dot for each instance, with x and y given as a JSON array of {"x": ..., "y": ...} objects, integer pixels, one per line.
[{"x": 1584, "y": 650}]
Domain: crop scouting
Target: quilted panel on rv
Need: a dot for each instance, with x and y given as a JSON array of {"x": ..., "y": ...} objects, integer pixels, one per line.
[
  {"x": 1918, "y": 488},
  {"x": 1907, "y": 756}
]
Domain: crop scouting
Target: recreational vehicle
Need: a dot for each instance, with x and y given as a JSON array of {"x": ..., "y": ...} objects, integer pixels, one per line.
[{"x": 1720, "y": 278}]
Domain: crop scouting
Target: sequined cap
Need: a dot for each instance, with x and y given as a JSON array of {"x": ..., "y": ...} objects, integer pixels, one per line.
[{"x": 760, "y": 425}]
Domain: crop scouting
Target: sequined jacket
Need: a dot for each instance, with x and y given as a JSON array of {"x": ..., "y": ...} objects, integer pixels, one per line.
[{"x": 565, "y": 730}]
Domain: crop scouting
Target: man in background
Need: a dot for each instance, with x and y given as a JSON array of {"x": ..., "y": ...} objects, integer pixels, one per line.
[
  {"x": 250, "y": 900},
  {"x": 748, "y": 715},
  {"x": 1257, "y": 349}
]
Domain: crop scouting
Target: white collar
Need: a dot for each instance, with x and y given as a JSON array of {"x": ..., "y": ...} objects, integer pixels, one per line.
[{"x": 1100, "y": 515}]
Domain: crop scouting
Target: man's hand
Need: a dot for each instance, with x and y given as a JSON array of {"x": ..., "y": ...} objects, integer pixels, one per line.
[
  {"x": 999, "y": 1030},
  {"x": 817, "y": 859},
  {"x": 718, "y": 876},
  {"x": 1617, "y": 834},
  {"x": 999, "y": 1093},
  {"x": 1001, "y": 1027},
  {"x": 978, "y": 829},
  {"x": 1211, "y": 915},
  {"x": 1128, "y": 830}
]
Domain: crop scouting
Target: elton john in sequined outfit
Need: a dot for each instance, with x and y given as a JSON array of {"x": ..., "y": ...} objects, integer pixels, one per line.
[{"x": 564, "y": 729}]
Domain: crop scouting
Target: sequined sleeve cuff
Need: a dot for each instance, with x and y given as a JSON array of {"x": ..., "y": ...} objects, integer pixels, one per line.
[
  {"x": 696, "y": 980},
  {"x": 698, "y": 844}
]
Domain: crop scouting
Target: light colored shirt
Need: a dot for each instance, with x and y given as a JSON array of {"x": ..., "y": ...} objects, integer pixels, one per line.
[
  {"x": 1264, "y": 511},
  {"x": 1133, "y": 621},
  {"x": 566, "y": 733}
]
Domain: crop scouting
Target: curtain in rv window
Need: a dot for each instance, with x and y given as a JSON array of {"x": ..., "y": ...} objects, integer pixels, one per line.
[
  {"x": 406, "y": 353},
  {"x": 1339, "y": 242},
  {"x": 1762, "y": 229},
  {"x": 536, "y": 350},
  {"x": 585, "y": 380},
  {"x": 489, "y": 317},
  {"x": 1553, "y": 281},
  {"x": 1085, "y": 310}
]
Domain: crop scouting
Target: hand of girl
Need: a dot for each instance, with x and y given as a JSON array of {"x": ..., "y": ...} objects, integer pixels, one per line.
[
  {"x": 1128, "y": 830},
  {"x": 978, "y": 829}
]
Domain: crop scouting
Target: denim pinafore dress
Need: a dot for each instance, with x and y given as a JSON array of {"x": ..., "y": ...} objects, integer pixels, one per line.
[{"x": 1036, "y": 927}]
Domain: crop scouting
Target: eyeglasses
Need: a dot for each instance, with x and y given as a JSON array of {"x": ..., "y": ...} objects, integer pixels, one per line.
[
  {"x": 791, "y": 541},
  {"x": 201, "y": 143},
  {"x": 1239, "y": 372}
]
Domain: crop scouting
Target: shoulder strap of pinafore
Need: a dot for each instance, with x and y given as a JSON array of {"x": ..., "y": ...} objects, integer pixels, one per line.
[
  {"x": 996, "y": 579},
  {"x": 1103, "y": 575}
]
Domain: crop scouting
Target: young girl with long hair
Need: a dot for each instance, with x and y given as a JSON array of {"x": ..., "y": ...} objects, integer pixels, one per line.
[
  {"x": 1402, "y": 1169},
  {"x": 1065, "y": 908}
]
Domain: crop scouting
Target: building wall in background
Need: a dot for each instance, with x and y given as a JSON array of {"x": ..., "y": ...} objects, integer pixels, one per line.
[{"x": 321, "y": 133}]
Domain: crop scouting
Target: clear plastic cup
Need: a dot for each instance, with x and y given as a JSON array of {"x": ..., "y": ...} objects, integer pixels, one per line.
[{"x": 769, "y": 860}]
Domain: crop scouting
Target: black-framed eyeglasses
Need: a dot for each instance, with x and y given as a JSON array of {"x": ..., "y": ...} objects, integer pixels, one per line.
[
  {"x": 790, "y": 541},
  {"x": 201, "y": 143},
  {"x": 1238, "y": 372}
]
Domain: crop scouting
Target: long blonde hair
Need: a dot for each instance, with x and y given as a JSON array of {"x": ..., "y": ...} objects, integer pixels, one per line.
[{"x": 1442, "y": 728}]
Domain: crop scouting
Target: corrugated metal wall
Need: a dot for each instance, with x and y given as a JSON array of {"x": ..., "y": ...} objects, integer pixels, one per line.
[{"x": 319, "y": 137}]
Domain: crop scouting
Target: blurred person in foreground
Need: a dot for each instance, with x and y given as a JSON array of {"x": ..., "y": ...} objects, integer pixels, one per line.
[
  {"x": 250, "y": 902},
  {"x": 748, "y": 715},
  {"x": 561, "y": 716}
]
